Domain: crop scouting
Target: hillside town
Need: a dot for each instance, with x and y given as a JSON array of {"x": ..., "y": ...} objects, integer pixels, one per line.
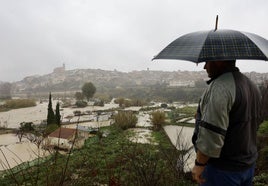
[{"x": 62, "y": 80}]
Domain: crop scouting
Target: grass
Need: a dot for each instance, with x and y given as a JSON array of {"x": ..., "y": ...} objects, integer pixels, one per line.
[
  {"x": 112, "y": 160},
  {"x": 180, "y": 113}
]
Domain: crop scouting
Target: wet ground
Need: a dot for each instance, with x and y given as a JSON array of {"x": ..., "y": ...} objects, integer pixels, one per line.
[{"x": 13, "y": 153}]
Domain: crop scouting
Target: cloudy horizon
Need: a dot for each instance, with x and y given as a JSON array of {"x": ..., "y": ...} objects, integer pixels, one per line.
[{"x": 38, "y": 36}]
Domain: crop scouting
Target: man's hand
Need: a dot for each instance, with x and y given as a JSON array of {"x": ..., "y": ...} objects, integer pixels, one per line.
[
  {"x": 200, "y": 164},
  {"x": 197, "y": 174}
]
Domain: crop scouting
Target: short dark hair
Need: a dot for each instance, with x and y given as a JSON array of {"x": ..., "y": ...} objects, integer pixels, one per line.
[{"x": 230, "y": 62}]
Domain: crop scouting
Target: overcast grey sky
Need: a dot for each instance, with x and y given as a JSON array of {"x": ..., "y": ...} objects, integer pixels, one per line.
[{"x": 37, "y": 36}]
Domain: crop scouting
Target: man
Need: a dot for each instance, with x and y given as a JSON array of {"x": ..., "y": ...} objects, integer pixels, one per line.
[{"x": 228, "y": 116}]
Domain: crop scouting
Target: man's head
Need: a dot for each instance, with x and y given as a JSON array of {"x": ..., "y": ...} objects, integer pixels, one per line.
[{"x": 216, "y": 68}]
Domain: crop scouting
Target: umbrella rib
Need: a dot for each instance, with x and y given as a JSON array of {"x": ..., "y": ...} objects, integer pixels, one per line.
[
  {"x": 259, "y": 45},
  {"x": 198, "y": 56}
]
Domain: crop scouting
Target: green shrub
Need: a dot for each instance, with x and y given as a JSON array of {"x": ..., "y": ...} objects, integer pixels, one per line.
[
  {"x": 262, "y": 162},
  {"x": 158, "y": 119},
  {"x": 261, "y": 180},
  {"x": 263, "y": 129},
  {"x": 263, "y": 135},
  {"x": 81, "y": 104},
  {"x": 125, "y": 120},
  {"x": 188, "y": 110},
  {"x": 164, "y": 105},
  {"x": 119, "y": 101},
  {"x": 77, "y": 112}
]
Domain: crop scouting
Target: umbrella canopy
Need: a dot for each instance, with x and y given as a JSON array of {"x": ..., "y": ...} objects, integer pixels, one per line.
[{"x": 216, "y": 45}]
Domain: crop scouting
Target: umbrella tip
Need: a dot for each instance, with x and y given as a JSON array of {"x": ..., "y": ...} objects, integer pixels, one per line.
[{"x": 216, "y": 24}]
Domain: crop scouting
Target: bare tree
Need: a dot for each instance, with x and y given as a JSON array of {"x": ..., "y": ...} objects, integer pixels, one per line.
[
  {"x": 185, "y": 147},
  {"x": 25, "y": 127}
]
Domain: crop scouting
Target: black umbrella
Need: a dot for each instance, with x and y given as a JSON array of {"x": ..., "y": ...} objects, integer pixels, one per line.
[{"x": 216, "y": 45}]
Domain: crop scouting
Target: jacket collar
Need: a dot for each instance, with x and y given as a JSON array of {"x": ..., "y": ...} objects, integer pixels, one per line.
[{"x": 234, "y": 69}]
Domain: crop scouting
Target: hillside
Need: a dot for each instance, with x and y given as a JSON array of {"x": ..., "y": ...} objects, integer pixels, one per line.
[{"x": 72, "y": 80}]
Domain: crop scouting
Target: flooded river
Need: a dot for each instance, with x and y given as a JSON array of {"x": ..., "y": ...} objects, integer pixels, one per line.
[
  {"x": 181, "y": 138},
  {"x": 13, "y": 118},
  {"x": 13, "y": 152}
]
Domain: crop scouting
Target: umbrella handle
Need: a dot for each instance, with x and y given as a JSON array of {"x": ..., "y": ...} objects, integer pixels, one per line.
[{"x": 216, "y": 25}]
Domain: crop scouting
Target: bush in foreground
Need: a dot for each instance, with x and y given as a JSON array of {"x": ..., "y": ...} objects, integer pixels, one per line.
[
  {"x": 158, "y": 119},
  {"x": 125, "y": 120}
]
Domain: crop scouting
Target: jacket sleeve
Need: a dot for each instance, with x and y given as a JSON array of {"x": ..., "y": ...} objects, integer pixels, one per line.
[{"x": 215, "y": 107}]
